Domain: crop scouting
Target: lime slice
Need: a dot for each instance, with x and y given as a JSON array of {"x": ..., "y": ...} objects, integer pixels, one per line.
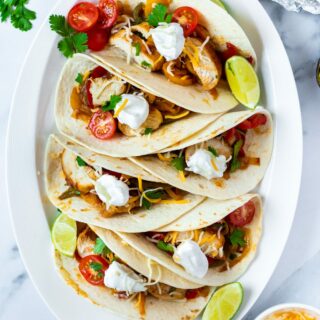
[
  {"x": 219, "y": 3},
  {"x": 225, "y": 302},
  {"x": 243, "y": 81},
  {"x": 64, "y": 235}
]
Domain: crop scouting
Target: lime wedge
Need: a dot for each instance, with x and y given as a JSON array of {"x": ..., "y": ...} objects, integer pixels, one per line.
[
  {"x": 64, "y": 235},
  {"x": 243, "y": 81},
  {"x": 225, "y": 302},
  {"x": 219, "y": 3}
]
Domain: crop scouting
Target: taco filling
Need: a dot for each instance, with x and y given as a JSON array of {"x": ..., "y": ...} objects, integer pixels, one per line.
[
  {"x": 221, "y": 245},
  {"x": 220, "y": 156},
  {"x": 109, "y": 105},
  {"x": 111, "y": 192},
  {"x": 173, "y": 43},
  {"x": 99, "y": 266}
]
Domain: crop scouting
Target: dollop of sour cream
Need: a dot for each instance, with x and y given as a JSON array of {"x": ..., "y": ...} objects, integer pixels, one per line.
[
  {"x": 122, "y": 278},
  {"x": 112, "y": 191},
  {"x": 203, "y": 162},
  {"x": 168, "y": 39},
  {"x": 189, "y": 255},
  {"x": 135, "y": 112}
]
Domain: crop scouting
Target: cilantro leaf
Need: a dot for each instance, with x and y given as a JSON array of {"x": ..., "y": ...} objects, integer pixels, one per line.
[
  {"x": 79, "y": 78},
  {"x": 81, "y": 162},
  {"x": 237, "y": 238},
  {"x": 145, "y": 64},
  {"x": 59, "y": 24},
  {"x": 146, "y": 204},
  {"x": 165, "y": 246},
  {"x": 178, "y": 163},
  {"x": 80, "y": 41},
  {"x": 159, "y": 14},
  {"x": 235, "y": 163},
  {"x": 69, "y": 193},
  {"x": 138, "y": 48},
  {"x": 111, "y": 104},
  {"x": 156, "y": 194},
  {"x": 148, "y": 131},
  {"x": 96, "y": 266},
  {"x": 20, "y": 16},
  {"x": 213, "y": 151},
  {"x": 100, "y": 247},
  {"x": 65, "y": 45}
]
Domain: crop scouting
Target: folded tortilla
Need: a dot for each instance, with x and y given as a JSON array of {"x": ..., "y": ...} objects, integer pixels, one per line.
[
  {"x": 221, "y": 26},
  {"x": 119, "y": 145},
  {"x": 79, "y": 209},
  {"x": 258, "y": 144}
]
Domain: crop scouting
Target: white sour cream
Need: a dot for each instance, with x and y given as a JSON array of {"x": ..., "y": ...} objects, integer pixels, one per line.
[
  {"x": 135, "y": 112},
  {"x": 203, "y": 162},
  {"x": 112, "y": 191},
  {"x": 122, "y": 278},
  {"x": 169, "y": 40},
  {"x": 189, "y": 255}
]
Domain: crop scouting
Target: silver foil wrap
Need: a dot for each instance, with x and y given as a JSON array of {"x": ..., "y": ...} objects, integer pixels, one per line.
[{"x": 312, "y": 6}]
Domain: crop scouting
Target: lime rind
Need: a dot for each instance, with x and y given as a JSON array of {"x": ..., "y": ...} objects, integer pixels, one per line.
[
  {"x": 225, "y": 302},
  {"x": 220, "y": 4}
]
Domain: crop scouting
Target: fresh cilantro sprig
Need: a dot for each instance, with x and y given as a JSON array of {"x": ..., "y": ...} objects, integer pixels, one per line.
[
  {"x": 100, "y": 247},
  {"x": 213, "y": 151},
  {"x": 158, "y": 15},
  {"x": 137, "y": 45},
  {"x": 156, "y": 194},
  {"x": 237, "y": 238},
  {"x": 80, "y": 162},
  {"x": 145, "y": 64},
  {"x": 148, "y": 131},
  {"x": 79, "y": 78},
  {"x": 111, "y": 104},
  {"x": 72, "y": 41},
  {"x": 235, "y": 163},
  {"x": 178, "y": 163},
  {"x": 165, "y": 246},
  {"x": 20, "y": 15}
]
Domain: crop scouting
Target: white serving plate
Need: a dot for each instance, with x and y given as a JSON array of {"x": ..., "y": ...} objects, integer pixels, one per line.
[{"x": 32, "y": 120}]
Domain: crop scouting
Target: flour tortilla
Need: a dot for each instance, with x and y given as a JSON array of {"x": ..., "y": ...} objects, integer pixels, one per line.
[
  {"x": 68, "y": 267},
  {"x": 221, "y": 26},
  {"x": 78, "y": 209},
  {"x": 213, "y": 277},
  {"x": 119, "y": 145},
  {"x": 259, "y": 144}
]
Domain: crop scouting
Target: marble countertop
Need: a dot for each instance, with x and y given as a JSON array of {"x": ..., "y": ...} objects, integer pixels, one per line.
[{"x": 297, "y": 276}]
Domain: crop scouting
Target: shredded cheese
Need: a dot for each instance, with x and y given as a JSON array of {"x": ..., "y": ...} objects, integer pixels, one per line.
[
  {"x": 140, "y": 186},
  {"x": 172, "y": 194},
  {"x": 140, "y": 304},
  {"x": 164, "y": 158},
  {"x": 171, "y": 237},
  {"x": 214, "y": 165},
  {"x": 125, "y": 102},
  {"x": 147, "y": 47},
  {"x": 178, "y": 116},
  {"x": 86, "y": 75},
  {"x": 182, "y": 176},
  {"x": 169, "y": 68},
  {"x": 203, "y": 45}
]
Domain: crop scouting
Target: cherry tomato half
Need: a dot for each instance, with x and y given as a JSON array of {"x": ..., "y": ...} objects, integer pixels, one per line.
[
  {"x": 109, "y": 13},
  {"x": 93, "y": 268},
  {"x": 102, "y": 125},
  {"x": 83, "y": 16},
  {"x": 187, "y": 17},
  {"x": 243, "y": 215},
  {"x": 253, "y": 122},
  {"x": 232, "y": 135},
  {"x": 98, "y": 38},
  {"x": 98, "y": 72},
  {"x": 192, "y": 294}
]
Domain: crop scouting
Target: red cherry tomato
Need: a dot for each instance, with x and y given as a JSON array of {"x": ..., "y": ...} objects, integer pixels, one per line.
[
  {"x": 93, "y": 268},
  {"x": 109, "y": 13},
  {"x": 192, "y": 294},
  {"x": 102, "y": 125},
  {"x": 83, "y": 16},
  {"x": 89, "y": 95},
  {"x": 231, "y": 51},
  {"x": 243, "y": 215},
  {"x": 253, "y": 122},
  {"x": 97, "y": 39},
  {"x": 232, "y": 135},
  {"x": 98, "y": 72},
  {"x": 187, "y": 17}
]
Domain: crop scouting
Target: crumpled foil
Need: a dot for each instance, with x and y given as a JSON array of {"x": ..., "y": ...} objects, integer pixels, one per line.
[{"x": 312, "y": 6}]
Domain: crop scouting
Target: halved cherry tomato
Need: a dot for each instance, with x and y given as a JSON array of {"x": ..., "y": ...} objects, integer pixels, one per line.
[
  {"x": 187, "y": 17},
  {"x": 98, "y": 38},
  {"x": 253, "y": 122},
  {"x": 192, "y": 294},
  {"x": 243, "y": 215},
  {"x": 110, "y": 12},
  {"x": 93, "y": 268},
  {"x": 231, "y": 51},
  {"x": 102, "y": 125},
  {"x": 83, "y": 16},
  {"x": 232, "y": 135},
  {"x": 98, "y": 72}
]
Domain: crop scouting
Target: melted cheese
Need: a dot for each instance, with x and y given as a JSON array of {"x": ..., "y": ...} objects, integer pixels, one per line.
[
  {"x": 178, "y": 116},
  {"x": 140, "y": 186}
]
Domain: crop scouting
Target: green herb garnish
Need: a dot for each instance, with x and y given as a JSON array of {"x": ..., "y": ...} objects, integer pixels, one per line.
[
  {"x": 145, "y": 64},
  {"x": 213, "y": 151},
  {"x": 72, "y": 41},
  {"x": 100, "y": 247},
  {"x": 111, "y": 104},
  {"x": 138, "y": 48},
  {"x": 96, "y": 266},
  {"x": 235, "y": 163},
  {"x": 159, "y": 14},
  {"x": 165, "y": 246},
  {"x": 81, "y": 162},
  {"x": 178, "y": 163},
  {"x": 156, "y": 194},
  {"x": 69, "y": 193},
  {"x": 79, "y": 78},
  {"x": 20, "y": 16},
  {"x": 237, "y": 238},
  {"x": 148, "y": 131}
]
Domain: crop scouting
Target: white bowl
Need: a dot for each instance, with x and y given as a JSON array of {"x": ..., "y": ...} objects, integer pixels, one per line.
[{"x": 314, "y": 311}]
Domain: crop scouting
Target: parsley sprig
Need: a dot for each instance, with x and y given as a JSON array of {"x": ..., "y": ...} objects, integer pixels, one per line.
[
  {"x": 237, "y": 238},
  {"x": 159, "y": 14},
  {"x": 20, "y": 15},
  {"x": 179, "y": 163},
  {"x": 111, "y": 104},
  {"x": 72, "y": 41}
]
